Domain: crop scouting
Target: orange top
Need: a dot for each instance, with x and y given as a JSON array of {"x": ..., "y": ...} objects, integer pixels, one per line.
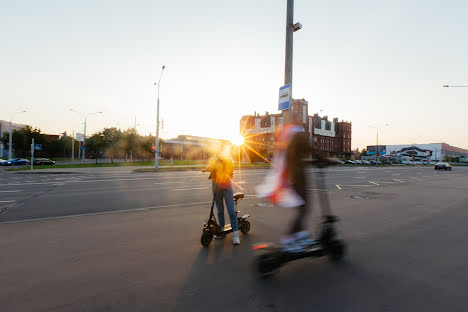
[{"x": 221, "y": 170}]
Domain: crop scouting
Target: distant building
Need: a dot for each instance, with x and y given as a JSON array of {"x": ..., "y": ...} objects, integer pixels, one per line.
[
  {"x": 190, "y": 147},
  {"x": 330, "y": 136},
  {"x": 417, "y": 153},
  {"x": 5, "y": 128}
]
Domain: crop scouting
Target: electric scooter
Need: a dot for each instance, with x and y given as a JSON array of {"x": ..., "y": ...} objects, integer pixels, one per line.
[
  {"x": 273, "y": 256},
  {"x": 211, "y": 227}
]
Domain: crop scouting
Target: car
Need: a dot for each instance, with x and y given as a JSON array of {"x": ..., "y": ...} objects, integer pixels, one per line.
[
  {"x": 43, "y": 162},
  {"x": 348, "y": 162},
  {"x": 443, "y": 166},
  {"x": 4, "y": 162},
  {"x": 18, "y": 162},
  {"x": 365, "y": 162}
]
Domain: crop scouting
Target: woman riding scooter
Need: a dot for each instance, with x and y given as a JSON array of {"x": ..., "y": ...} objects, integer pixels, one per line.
[{"x": 221, "y": 168}]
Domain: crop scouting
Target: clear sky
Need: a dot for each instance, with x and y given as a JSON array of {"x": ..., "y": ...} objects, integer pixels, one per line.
[{"x": 369, "y": 62}]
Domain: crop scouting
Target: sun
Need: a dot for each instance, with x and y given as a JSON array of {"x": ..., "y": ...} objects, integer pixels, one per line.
[{"x": 238, "y": 140}]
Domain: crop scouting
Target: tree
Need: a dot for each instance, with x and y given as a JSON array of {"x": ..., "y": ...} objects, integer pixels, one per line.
[
  {"x": 112, "y": 141},
  {"x": 95, "y": 145}
]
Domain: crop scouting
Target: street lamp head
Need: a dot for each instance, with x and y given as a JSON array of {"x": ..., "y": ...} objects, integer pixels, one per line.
[
  {"x": 445, "y": 86},
  {"x": 297, "y": 27},
  {"x": 164, "y": 67}
]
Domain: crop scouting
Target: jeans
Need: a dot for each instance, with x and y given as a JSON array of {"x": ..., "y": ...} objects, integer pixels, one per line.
[{"x": 225, "y": 191}]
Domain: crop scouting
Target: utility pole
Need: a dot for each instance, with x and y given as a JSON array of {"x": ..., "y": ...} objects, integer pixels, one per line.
[
  {"x": 288, "y": 64},
  {"x": 73, "y": 146},
  {"x": 1, "y": 136},
  {"x": 156, "y": 143}
]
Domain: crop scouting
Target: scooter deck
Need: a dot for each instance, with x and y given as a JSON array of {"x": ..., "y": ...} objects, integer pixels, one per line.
[{"x": 315, "y": 250}]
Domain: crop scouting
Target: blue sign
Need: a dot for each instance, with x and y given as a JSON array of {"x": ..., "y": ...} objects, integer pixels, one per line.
[
  {"x": 284, "y": 97},
  {"x": 38, "y": 147},
  {"x": 82, "y": 148}
]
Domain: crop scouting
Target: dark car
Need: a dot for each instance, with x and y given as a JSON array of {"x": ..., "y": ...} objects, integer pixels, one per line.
[
  {"x": 348, "y": 162},
  {"x": 18, "y": 162},
  {"x": 443, "y": 166},
  {"x": 43, "y": 162}
]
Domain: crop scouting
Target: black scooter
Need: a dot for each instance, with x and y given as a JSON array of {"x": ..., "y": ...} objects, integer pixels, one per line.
[
  {"x": 273, "y": 256},
  {"x": 211, "y": 227}
]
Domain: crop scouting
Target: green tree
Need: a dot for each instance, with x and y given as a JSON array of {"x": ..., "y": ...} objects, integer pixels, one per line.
[
  {"x": 112, "y": 142},
  {"x": 95, "y": 146}
]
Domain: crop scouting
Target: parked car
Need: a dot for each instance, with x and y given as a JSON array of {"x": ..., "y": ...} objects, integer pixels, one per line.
[
  {"x": 443, "y": 166},
  {"x": 4, "y": 162},
  {"x": 43, "y": 162},
  {"x": 18, "y": 162},
  {"x": 348, "y": 162}
]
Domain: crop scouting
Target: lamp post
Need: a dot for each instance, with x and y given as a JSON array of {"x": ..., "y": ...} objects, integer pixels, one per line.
[
  {"x": 84, "y": 132},
  {"x": 377, "y": 151},
  {"x": 290, "y": 29},
  {"x": 156, "y": 143},
  {"x": 449, "y": 86},
  {"x": 10, "y": 135}
]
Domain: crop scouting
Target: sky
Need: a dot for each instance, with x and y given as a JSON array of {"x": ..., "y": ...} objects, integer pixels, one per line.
[{"x": 369, "y": 62}]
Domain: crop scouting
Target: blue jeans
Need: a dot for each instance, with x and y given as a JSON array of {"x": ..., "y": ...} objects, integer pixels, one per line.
[{"x": 225, "y": 191}]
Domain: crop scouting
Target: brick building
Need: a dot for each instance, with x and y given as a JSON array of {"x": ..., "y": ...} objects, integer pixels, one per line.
[{"x": 330, "y": 136}]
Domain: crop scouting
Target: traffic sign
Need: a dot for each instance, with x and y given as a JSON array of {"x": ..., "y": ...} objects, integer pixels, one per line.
[
  {"x": 284, "y": 97},
  {"x": 38, "y": 147}
]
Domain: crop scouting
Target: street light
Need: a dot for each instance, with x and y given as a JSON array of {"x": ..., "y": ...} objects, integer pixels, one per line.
[
  {"x": 83, "y": 157},
  {"x": 10, "y": 135},
  {"x": 290, "y": 29},
  {"x": 377, "y": 151},
  {"x": 156, "y": 143},
  {"x": 449, "y": 86}
]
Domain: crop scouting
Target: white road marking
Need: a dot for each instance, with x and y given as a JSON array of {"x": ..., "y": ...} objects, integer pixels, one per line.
[
  {"x": 339, "y": 187},
  {"x": 398, "y": 180},
  {"x": 189, "y": 189},
  {"x": 106, "y": 212},
  {"x": 359, "y": 177},
  {"x": 7, "y": 201},
  {"x": 372, "y": 182},
  {"x": 14, "y": 191}
]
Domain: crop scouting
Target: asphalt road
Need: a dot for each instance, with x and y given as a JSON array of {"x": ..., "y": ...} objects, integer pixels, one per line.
[
  {"x": 130, "y": 242},
  {"x": 25, "y": 196}
]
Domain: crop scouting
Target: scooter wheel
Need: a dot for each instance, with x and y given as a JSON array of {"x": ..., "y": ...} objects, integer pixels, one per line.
[
  {"x": 244, "y": 227},
  {"x": 337, "y": 250},
  {"x": 266, "y": 265},
  {"x": 206, "y": 238}
]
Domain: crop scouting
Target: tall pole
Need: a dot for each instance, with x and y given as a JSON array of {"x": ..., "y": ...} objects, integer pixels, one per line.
[
  {"x": 32, "y": 154},
  {"x": 83, "y": 157},
  {"x": 83, "y": 153},
  {"x": 73, "y": 146},
  {"x": 156, "y": 143},
  {"x": 288, "y": 64},
  {"x": 10, "y": 139},
  {"x": 1, "y": 136},
  {"x": 377, "y": 148}
]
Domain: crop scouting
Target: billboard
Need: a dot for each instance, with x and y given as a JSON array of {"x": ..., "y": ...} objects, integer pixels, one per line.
[{"x": 79, "y": 137}]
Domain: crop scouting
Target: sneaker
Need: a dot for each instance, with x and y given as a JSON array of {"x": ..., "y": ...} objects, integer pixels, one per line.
[
  {"x": 304, "y": 240},
  {"x": 235, "y": 239},
  {"x": 288, "y": 244}
]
